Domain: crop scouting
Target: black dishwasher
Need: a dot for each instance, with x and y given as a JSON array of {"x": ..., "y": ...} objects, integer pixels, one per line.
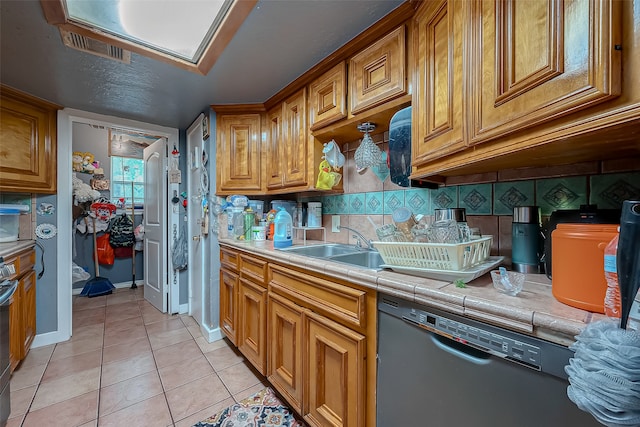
[{"x": 437, "y": 369}]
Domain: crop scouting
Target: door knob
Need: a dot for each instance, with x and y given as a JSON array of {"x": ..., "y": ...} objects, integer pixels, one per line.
[{"x": 196, "y": 238}]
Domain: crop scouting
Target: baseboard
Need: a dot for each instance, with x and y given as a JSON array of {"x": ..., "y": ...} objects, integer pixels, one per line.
[
  {"x": 49, "y": 338},
  {"x": 121, "y": 285},
  {"x": 211, "y": 335},
  {"x": 184, "y": 308}
]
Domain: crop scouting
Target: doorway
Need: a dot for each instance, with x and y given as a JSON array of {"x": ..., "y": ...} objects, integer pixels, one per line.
[{"x": 63, "y": 299}]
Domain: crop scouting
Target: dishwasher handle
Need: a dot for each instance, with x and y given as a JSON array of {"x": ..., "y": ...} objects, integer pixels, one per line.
[{"x": 460, "y": 350}]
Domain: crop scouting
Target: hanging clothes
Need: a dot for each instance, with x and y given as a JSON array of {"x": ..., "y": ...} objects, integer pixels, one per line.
[{"x": 122, "y": 232}]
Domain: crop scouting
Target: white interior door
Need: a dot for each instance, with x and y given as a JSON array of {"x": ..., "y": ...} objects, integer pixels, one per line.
[
  {"x": 197, "y": 183},
  {"x": 155, "y": 223}
]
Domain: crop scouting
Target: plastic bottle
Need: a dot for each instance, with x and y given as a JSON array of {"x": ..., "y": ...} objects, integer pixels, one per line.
[
  {"x": 612, "y": 303},
  {"x": 298, "y": 215},
  {"x": 283, "y": 226}
]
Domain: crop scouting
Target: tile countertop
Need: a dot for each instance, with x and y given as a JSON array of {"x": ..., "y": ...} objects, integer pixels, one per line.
[
  {"x": 10, "y": 248},
  {"x": 534, "y": 311}
]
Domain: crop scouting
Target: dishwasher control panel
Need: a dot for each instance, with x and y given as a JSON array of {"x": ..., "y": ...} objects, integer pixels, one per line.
[{"x": 498, "y": 344}]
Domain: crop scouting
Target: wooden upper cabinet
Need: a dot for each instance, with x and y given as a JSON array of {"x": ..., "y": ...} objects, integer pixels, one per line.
[
  {"x": 378, "y": 73},
  {"x": 438, "y": 98},
  {"x": 294, "y": 139},
  {"x": 275, "y": 148},
  {"x": 538, "y": 60},
  {"x": 28, "y": 149},
  {"x": 327, "y": 97},
  {"x": 238, "y": 153}
]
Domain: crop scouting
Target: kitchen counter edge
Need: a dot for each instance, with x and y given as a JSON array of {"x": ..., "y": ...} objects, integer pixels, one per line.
[{"x": 534, "y": 311}]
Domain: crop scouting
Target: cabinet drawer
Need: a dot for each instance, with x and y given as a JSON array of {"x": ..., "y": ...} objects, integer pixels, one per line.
[
  {"x": 339, "y": 302},
  {"x": 229, "y": 259},
  {"x": 254, "y": 269},
  {"x": 23, "y": 262}
]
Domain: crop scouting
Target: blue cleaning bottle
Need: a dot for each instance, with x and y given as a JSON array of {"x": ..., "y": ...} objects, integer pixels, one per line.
[{"x": 283, "y": 228}]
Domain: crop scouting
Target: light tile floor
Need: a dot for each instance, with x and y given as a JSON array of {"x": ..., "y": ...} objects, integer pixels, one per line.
[{"x": 127, "y": 364}]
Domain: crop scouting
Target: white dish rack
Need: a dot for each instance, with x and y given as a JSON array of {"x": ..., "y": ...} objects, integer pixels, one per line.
[
  {"x": 449, "y": 275},
  {"x": 438, "y": 256}
]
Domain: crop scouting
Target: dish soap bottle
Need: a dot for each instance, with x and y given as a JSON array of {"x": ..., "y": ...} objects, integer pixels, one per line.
[{"x": 283, "y": 225}]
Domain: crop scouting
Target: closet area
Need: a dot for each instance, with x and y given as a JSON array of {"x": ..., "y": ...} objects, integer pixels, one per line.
[{"x": 108, "y": 194}]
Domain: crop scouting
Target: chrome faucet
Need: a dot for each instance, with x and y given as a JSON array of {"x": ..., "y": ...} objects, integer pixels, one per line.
[{"x": 359, "y": 237}]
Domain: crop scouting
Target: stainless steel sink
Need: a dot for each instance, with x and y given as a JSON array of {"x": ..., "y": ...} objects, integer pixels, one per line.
[
  {"x": 366, "y": 259},
  {"x": 322, "y": 251},
  {"x": 337, "y": 252}
]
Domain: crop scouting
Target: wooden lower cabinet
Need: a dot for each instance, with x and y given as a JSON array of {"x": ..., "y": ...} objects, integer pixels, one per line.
[
  {"x": 252, "y": 325},
  {"x": 285, "y": 370},
  {"x": 22, "y": 319},
  {"x": 313, "y": 336},
  {"x": 335, "y": 382},
  {"x": 229, "y": 304},
  {"x": 29, "y": 310},
  {"x": 16, "y": 332}
]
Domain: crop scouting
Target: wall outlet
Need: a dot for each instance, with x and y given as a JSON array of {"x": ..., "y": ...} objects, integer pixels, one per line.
[{"x": 335, "y": 223}]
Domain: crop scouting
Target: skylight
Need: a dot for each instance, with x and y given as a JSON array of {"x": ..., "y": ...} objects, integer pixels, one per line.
[
  {"x": 181, "y": 28},
  {"x": 189, "y": 33}
]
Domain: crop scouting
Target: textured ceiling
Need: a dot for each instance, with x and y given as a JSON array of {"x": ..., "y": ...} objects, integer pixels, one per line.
[{"x": 279, "y": 41}]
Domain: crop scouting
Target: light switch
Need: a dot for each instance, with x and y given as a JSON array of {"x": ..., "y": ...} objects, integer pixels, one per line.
[{"x": 335, "y": 223}]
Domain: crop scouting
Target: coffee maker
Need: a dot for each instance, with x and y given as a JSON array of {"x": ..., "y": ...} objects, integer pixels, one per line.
[{"x": 526, "y": 243}]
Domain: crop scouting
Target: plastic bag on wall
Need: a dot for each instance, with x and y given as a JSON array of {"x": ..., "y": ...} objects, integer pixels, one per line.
[{"x": 179, "y": 252}]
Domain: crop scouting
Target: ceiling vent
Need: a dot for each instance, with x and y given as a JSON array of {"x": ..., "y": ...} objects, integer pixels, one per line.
[{"x": 95, "y": 47}]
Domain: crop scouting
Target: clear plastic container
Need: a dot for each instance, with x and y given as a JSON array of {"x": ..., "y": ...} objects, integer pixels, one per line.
[
  {"x": 9, "y": 226},
  {"x": 10, "y": 221},
  {"x": 289, "y": 205}
]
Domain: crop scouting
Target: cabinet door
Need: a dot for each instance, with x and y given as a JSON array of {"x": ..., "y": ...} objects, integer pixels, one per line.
[
  {"x": 285, "y": 349},
  {"x": 29, "y": 310},
  {"x": 439, "y": 96},
  {"x": 229, "y": 304},
  {"x": 327, "y": 97},
  {"x": 336, "y": 384},
  {"x": 275, "y": 148},
  {"x": 377, "y": 74},
  {"x": 295, "y": 140},
  {"x": 238, "y": 153},
  {"x": 16, "y": 327},
  {"x": 537, "y": 60},
  {"x": 27, "y": 143},
  {"x": 253, "y": 324}
]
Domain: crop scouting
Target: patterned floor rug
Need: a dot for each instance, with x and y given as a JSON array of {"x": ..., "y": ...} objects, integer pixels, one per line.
[{"x": 263, "y": 409}]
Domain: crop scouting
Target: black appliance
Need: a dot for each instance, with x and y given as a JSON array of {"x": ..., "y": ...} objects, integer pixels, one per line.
[
  {"x": 7, "y": 288},
  {"x": 587, "y": 214}
]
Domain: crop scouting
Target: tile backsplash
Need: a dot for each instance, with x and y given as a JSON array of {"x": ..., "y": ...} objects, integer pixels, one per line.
[{"x": 489, "y": 205}]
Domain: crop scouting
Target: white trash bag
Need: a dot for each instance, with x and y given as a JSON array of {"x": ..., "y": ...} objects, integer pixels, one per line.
[{"x": 78, "y": 274}]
